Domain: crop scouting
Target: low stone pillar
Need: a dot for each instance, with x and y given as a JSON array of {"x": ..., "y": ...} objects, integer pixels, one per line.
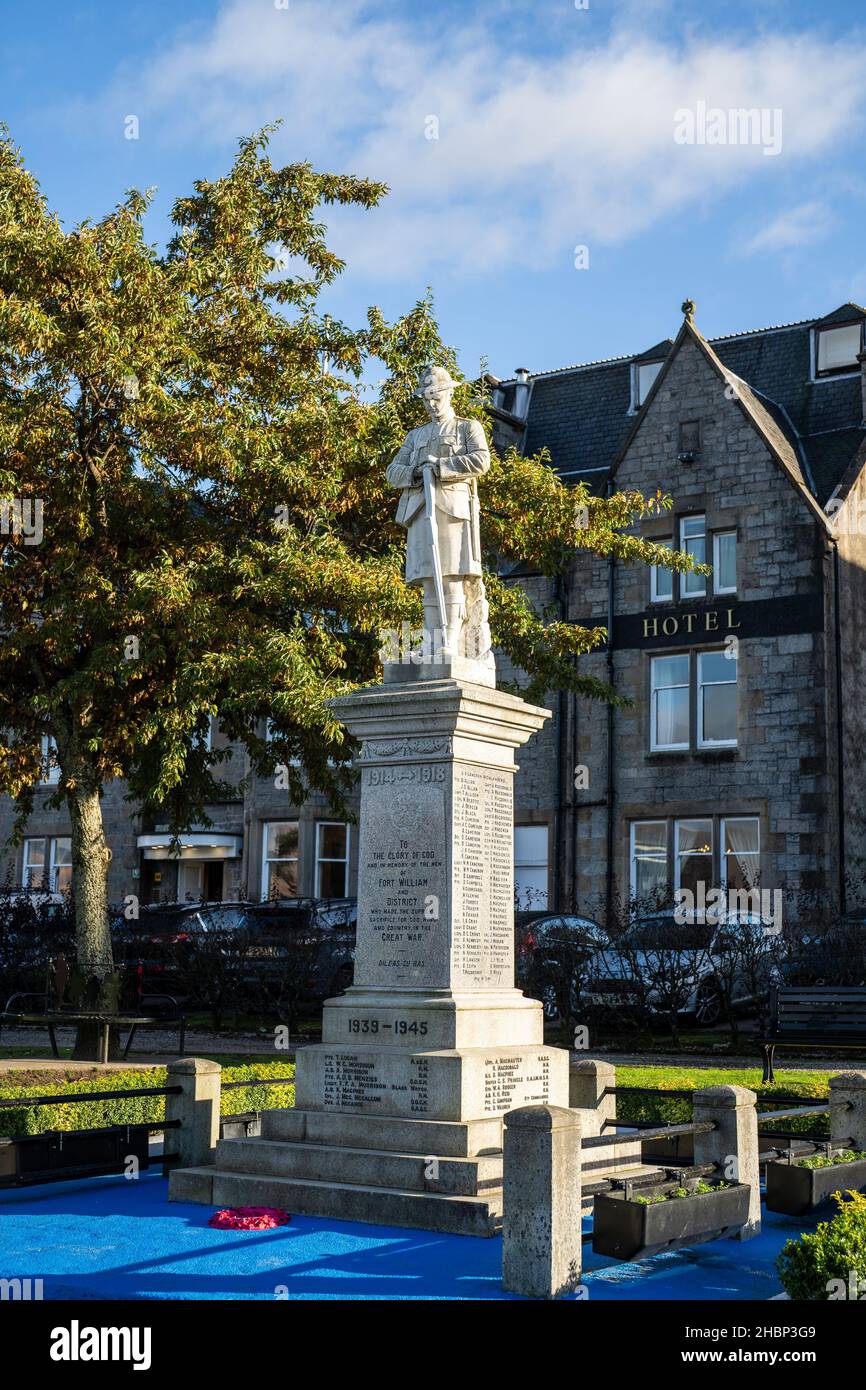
[
  {"x": 197, "y": 1107},
  {"x": 587, "y": 1083},
  {"x": 541, "y": 1239},
  {"x": 733, "y": 1144},
  {"x": 848, "y": 1110}
]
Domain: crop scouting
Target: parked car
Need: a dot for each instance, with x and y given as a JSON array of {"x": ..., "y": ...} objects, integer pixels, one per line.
[
  {"x": 695, "y": 964},
  {"x": 551, "y": 950},
  {"x": 302, "y": 946},
  {"x": 833, "y": 955},
  {"x": 152, "y": 946},
  {"x": 322, "y": 930}
]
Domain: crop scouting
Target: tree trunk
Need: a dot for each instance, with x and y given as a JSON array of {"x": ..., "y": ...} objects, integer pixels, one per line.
[{"x": 90, "y": 856}]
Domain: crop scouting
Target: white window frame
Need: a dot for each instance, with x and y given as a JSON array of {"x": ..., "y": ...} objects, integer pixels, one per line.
[
  {"x": 841, "y": 372},
  {"x": 637, "y": 397},
  {"x": 655, "y": 746},
  {"x": 656, "y": 570},
  {"x": 47, "y": 881},
  {"x": 632, "y": 857},
  {"x": 285, "y": 859},
  {"x": 723, "y": 857},
  {"x": 717, "y": 587},
  {"x": 692, "y": 854},
  {"x": 321, "y": 859},
  {"x": 687, "y": 577},
  {"x": 50, "y": 768},
  {"x": 539, "y": 863},
  {"x": 699, "y": 686}
]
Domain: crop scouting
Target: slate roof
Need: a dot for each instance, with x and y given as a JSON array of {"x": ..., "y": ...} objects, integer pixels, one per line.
[{"x": 581, "y": 414}]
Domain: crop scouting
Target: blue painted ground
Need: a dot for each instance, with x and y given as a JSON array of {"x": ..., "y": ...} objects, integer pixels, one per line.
[{"x": 112, "y": 1238}]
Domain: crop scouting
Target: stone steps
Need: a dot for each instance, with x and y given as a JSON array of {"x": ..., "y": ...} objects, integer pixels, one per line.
[
  {"x": 446, "y": 1138},
  {"x": 385, "y": 1206},
  {"x": 434, "y": 1174},
  {"x": 411, "y": 1172}
]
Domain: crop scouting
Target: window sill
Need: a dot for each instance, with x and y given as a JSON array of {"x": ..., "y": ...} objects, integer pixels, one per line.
[{"x": 707, "y": 755}]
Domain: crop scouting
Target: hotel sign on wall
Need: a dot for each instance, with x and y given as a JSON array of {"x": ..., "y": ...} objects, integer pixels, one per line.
[
  {"x": 691, "y": 621},
  {"x": 692, "y": 624}
]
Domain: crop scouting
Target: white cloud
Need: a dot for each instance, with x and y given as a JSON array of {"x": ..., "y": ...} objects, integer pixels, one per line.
[
  {"x": 795, "y": 227},
  {"x": 536, "y": 152}
]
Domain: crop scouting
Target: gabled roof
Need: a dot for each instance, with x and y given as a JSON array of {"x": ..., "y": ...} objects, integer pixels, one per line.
[
  {"x": 770, "y": 422},
  {"x": 581, "y": 414}
]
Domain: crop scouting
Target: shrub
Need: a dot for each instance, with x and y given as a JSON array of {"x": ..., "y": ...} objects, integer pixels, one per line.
[
  {"x": 836, "y": 1251},
  {"x": 678, "y": 1112},
  {"x": 833, "y": 1160},
  {"x": 96, "y": 1114}
]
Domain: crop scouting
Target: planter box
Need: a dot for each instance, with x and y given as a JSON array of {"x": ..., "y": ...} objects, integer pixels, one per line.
[
  {"x": 793, "y": 1190},
  {"x": 629, "y": 1230},
  {"x": 57, "y": 1155}
]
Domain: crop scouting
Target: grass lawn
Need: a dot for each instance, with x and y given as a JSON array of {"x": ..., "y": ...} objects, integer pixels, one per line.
[{"x": 693, "y": 1078}]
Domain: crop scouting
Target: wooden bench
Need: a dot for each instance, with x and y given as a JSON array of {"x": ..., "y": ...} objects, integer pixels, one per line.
[{"x": 814, "y": 1016}]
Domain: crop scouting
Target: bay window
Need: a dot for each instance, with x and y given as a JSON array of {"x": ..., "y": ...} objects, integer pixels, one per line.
[{"x": 689, "y": 851}]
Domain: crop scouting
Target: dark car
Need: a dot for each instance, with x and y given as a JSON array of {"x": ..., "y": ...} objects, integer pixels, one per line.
[
  {"x": 296, "y": 949},
  {"x": 830, "y": 955},
  {"x": 151, "y": 949},
  {"x": 306, "y": 943},
  {"x": 551, "y": 950}
]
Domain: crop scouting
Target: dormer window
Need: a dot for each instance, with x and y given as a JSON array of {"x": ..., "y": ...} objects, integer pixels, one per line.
[
  {"x": 643, "y": 376},
  {"x": 837, "y": 349}
]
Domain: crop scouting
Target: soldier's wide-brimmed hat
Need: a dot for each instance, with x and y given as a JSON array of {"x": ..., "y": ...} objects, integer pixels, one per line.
[{"x": 435, "y": 381}]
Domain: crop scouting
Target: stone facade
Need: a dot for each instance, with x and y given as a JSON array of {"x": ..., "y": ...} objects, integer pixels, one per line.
[
  {"x": 790, "y": 770},
  {"x": 779, "y": 462}
]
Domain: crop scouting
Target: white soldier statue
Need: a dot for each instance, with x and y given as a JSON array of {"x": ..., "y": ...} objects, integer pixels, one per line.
[{"x": 436, "y": 468}]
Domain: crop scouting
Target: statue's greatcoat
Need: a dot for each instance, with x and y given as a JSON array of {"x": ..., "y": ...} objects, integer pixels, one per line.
[{"x": 461, "y": 448}]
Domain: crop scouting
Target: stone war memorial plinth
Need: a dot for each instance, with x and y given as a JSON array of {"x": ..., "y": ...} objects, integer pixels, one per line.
[{"x": 398, "y": 1115}]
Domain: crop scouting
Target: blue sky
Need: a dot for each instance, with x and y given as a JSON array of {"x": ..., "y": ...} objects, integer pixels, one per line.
[{"x": 555, "y": 130}]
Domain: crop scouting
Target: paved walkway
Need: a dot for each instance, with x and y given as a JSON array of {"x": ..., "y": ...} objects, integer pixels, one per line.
[
  {"x": 114, "y": 1239},
  {"x": 149, "y": 1040}
]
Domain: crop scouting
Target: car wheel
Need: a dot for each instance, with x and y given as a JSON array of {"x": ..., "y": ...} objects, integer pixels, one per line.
[{"x": 708, "y": 1005}]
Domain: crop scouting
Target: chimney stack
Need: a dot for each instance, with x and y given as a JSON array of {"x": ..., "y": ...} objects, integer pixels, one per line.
[{"x": 521, "y": 392}]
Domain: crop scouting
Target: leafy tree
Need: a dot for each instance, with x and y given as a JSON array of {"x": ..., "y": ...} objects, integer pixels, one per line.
[{"x": 218, "y": 536}]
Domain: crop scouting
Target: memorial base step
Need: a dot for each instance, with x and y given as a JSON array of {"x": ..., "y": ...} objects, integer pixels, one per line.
[
  {"x": 334, "y": 1163},
  {"x": 382, "y": 1206},
  {"x": 448, "y": 1138}
]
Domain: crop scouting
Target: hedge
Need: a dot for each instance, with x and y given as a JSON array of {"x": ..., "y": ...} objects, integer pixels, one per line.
[
  {"x": 96, "y": 1114},
  {"x": 811, "y": 1086}
]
